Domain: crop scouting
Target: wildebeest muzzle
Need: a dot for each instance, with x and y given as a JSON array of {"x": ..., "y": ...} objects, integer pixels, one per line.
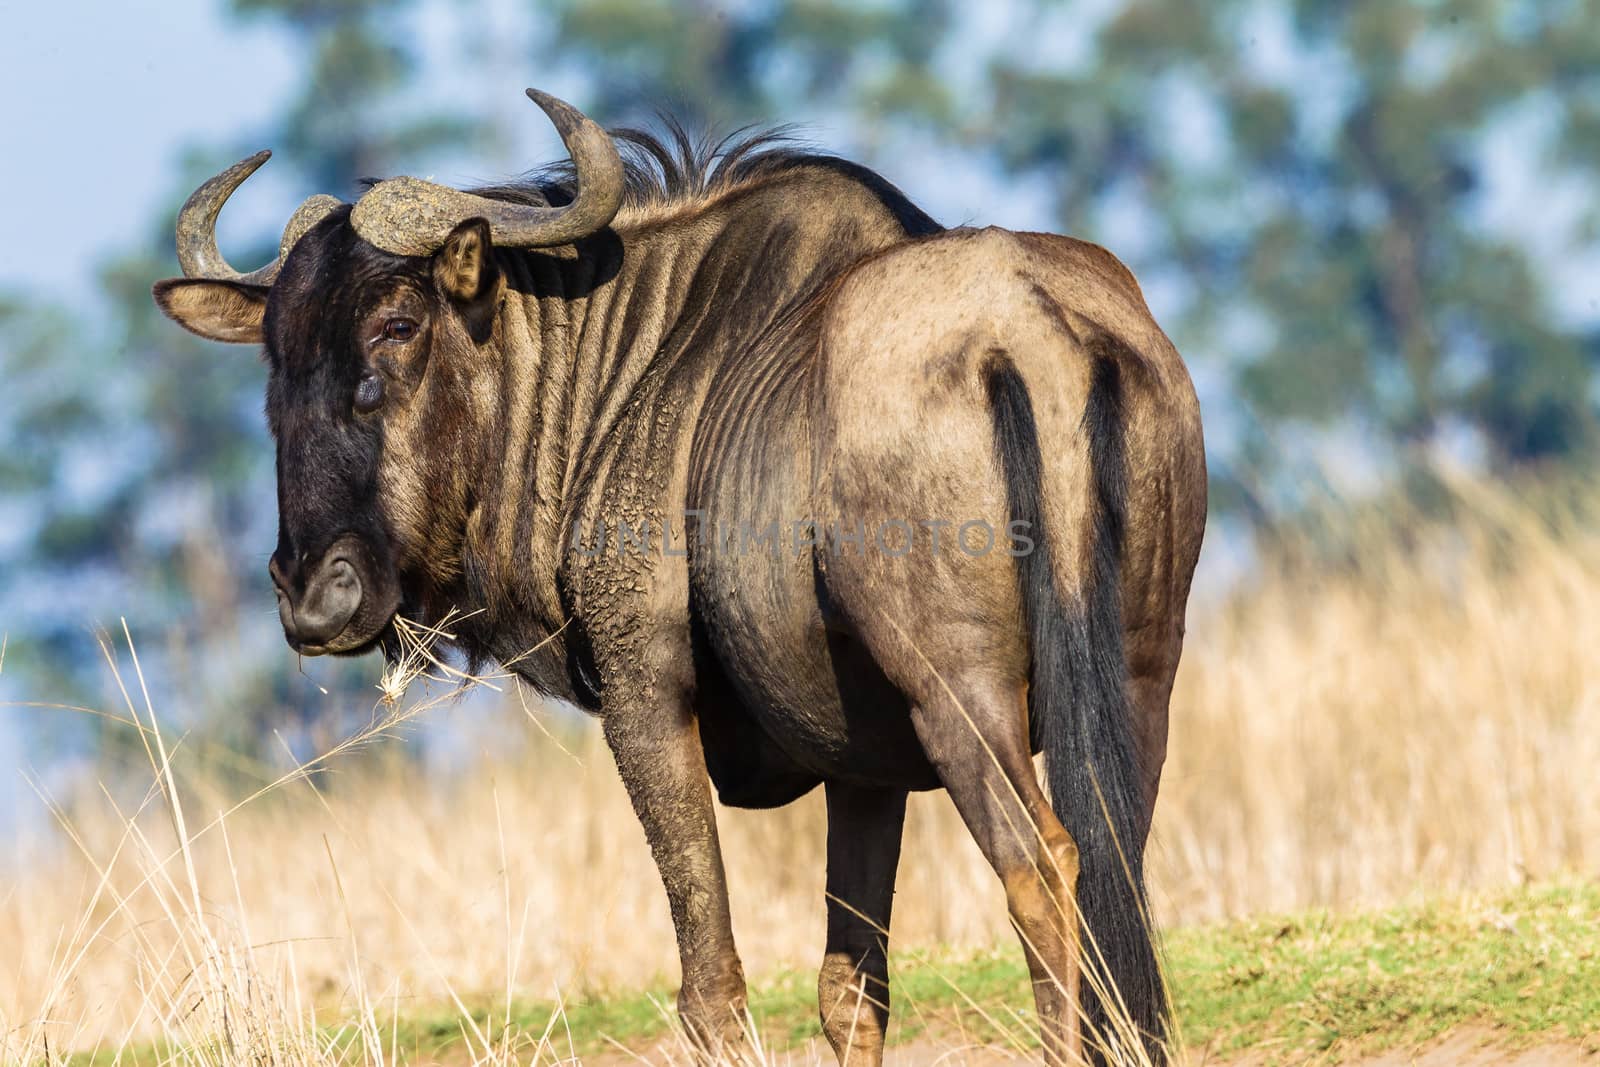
[{"x": 336, "y": 602}]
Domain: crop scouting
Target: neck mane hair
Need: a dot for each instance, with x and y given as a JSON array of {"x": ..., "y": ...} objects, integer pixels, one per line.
[
  {"x": 709, "y": 276},
  {"x": 674, "y": 172}
]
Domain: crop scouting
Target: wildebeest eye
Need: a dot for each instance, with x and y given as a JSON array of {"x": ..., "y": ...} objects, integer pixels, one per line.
[
  {"x": 399, "y": 329},
  {"x": 369, "y": 393}
]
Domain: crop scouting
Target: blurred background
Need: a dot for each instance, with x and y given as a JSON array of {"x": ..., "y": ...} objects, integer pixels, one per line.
[{"x": 1372, "y": 228}]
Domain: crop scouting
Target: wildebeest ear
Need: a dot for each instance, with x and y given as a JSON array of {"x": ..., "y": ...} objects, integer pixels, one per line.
[
  {"x": 219, "y": 311},
  {"x": 466, "y": 273}
]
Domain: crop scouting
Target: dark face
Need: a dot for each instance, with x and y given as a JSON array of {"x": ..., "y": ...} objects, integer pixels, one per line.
[{"x": 375, "y": 364}]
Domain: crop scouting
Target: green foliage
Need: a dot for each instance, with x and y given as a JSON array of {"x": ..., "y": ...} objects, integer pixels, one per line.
[
  {"x": 1305, "y": 175},
  {"x": 1335, "y": 201},
  {"x": 717, "y": 64},
  {"x": 137, "y": 456}
]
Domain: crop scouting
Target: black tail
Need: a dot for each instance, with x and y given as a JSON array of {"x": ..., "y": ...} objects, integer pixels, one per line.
[{"x": 1078, "y": 699}]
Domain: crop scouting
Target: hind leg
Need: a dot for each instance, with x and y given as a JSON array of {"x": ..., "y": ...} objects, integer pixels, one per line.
[
  {"x": 1153, "y": 652},
  {"x": 976, "y": 736},
  {"x": 864, "y": 828},
  {"x": 1150, "y": 695},
  {"x": 962, "y": 668}
]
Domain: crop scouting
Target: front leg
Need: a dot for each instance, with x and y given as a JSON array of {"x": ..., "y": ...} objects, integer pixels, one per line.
[{"x": 653, "y": 736}]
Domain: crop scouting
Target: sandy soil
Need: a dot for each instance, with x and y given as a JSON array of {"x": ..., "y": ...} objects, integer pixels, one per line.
[
  {"x": 1467, "y": 1048},
  {"x": 1464, "y": 1048},
  {"x": 1473, "y": 1048}
]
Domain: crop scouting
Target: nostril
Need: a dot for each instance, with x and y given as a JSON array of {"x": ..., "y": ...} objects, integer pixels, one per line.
[{"x": 331, "y": 598}]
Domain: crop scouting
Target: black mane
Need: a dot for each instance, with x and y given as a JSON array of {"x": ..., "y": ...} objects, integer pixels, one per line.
[{"x": 677, "y": 167}]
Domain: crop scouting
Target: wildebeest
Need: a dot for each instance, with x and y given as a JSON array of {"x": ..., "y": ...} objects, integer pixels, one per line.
[{"x": 787, "y": 484}]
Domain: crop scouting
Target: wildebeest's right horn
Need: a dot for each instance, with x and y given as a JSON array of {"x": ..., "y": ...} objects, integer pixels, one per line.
[
  {"x": 412, "y": 217},
  {"x": 198, "y": 254}
]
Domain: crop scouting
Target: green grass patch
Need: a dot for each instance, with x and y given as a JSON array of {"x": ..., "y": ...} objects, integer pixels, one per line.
[
  {"x": 1523, "y": 964},
  {"x": 1326, "y": 985}
]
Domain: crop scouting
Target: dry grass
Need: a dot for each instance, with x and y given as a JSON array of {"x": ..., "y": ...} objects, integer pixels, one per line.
[
  {"x": 1423, "y": 717},
  {"x": 1420, "y": 718}
]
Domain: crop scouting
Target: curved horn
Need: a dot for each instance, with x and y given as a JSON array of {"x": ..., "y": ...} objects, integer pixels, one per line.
[
  {"x": 411, "y": 217},
  {"x": 311, "y": 211},
  {"x": 198, "y": 254}
]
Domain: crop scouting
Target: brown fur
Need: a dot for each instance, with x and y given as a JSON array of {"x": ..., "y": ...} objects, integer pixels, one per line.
[{"x": 786, "y": 342}]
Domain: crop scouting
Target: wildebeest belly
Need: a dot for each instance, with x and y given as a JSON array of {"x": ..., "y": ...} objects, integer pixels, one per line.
[
  {"x": 785, "y": 702},
  {"x": 784, "y": 672}
]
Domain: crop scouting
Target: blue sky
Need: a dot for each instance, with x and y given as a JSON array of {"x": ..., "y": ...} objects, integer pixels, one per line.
[
  {"x": 100, "y": 98},
  {"x": 104, "y": 99}
]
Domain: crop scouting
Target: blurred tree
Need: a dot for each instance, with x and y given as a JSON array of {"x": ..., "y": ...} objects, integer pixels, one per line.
[
  {"x": 1303, "y": 176},
  {"x": 715, "y": 64},
  {"x": 1312, "y": 173},
  {"x": 141, "y": 483},
  {"x": 356, "y": 114}
]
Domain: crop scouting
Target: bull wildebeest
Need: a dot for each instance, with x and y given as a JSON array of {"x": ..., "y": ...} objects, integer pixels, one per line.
[{"x": 589, "y": 410}]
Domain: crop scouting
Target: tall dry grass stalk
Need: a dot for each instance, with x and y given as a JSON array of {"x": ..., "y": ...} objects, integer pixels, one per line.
[
  {"x": 1423, "y": 716},
  {"x": 1420, "y": 717}
]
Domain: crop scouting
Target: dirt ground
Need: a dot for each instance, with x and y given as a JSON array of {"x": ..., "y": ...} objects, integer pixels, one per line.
[
  {"x": 1468, "y": 1048},
  {"x": 1463, "y": 1049}
]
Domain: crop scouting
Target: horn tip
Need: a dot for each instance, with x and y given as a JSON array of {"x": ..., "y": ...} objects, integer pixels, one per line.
[{"x": 547, "y": 103}]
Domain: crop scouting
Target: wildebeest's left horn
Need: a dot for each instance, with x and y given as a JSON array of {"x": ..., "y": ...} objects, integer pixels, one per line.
[
  {"x": 411, "y": 217},
  {"x": 198, "y": 254}
]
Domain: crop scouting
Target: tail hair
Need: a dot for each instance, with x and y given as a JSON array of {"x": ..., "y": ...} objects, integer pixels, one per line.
[{"x": 1078, "y": 704}]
